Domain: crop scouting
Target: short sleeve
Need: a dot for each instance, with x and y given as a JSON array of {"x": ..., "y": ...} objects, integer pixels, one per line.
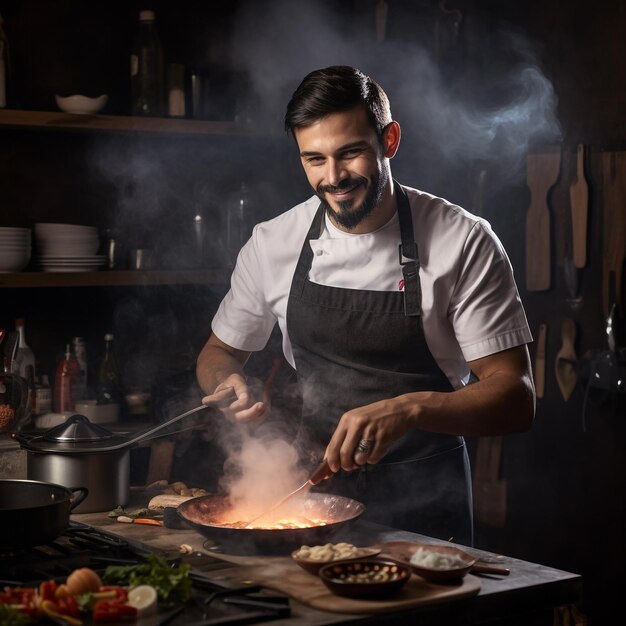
[{"x": 485, "y": 309}]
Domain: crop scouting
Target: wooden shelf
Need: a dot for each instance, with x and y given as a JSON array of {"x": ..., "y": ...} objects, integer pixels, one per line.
[
  {"x": 113, "y": 278},
  {"x": 49, "y": 120}
]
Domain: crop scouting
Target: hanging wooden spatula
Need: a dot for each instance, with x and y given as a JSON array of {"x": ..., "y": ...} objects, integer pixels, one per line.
[
  {"x": 579, "y": 202},
  {"x": 565, "y": 366},
  {"x": 542, "y": 173}
]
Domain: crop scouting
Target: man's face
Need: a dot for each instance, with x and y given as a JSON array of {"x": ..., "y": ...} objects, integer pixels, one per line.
[{"x": 344, "y": 163}]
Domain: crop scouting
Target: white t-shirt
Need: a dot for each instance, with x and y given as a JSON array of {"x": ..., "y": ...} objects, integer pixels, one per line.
[{"x": 471, "y": 306}]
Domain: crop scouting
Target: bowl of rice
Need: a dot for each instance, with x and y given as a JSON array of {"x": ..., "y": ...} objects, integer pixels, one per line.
[{"x": 439, "y": 563}]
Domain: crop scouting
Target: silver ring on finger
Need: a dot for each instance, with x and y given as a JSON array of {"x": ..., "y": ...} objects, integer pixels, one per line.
[{"x": 365, "y": 446}]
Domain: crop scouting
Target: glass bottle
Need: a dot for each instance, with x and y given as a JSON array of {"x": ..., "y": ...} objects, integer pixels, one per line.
[
  {"x": 24, "y": 363},
  {"x": 239, "y": 220},
  {"x": 109, "y": 385},
  {"x": 43, "y": 396},
  {"x": 80, "y": 352},
  {"x": 66, "y": 383},
  {"x": 146, "y": 69}
]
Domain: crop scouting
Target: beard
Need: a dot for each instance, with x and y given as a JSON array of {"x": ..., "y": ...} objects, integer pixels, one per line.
[{"x": 348, "y": 215}]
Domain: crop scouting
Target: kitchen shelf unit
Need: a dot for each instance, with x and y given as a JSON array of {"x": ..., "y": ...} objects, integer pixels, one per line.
[
  {"x": 68, "y": 122},
  {"x": 121, "y": 278}
]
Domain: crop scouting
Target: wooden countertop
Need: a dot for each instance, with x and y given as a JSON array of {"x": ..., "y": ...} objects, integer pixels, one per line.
[{"x": 527, "y": 596}]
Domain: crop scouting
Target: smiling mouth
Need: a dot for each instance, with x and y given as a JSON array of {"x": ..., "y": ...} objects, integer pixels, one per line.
[{"x": 341, "y": 194}]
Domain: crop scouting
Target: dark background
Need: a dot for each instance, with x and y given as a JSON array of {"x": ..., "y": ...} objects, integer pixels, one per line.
[{"x": 472, "y": 100}]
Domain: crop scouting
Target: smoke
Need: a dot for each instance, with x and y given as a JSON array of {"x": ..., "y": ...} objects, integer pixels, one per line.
[
  {"x": 485, "y": 98},
  {"x": 262, "y": 468}
]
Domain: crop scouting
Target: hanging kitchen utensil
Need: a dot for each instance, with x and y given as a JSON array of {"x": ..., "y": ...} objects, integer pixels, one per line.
[
  {"x": 489, "y": 489},
  {"x": 566, "y": 360},
  {"x": 540, "y": 361},
  {"x": 542, "y": 173},
  {"x": 572, "y": 284},
  {"x": 613, "y": 227},
  {"x": 579, "y": 200}
]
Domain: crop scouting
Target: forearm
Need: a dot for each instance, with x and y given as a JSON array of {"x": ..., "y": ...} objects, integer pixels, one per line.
[
  {"x": 500, "y": 404},
  {"x": 215, "y": 365}
]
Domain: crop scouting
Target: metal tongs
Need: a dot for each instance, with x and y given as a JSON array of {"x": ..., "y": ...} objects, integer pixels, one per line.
[{"x": 321, "y": 472}]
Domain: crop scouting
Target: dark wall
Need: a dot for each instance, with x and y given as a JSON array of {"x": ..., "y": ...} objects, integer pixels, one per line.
[{"x": 475, "y": 87}]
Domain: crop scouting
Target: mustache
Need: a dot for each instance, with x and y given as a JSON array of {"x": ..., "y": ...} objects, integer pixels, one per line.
[{"x": 348, "y": 183}]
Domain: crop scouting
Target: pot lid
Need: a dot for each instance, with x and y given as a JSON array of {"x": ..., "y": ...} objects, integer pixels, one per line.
[
  {"x": 77, "y": 428},
  {"x": 76, "y": 434}
]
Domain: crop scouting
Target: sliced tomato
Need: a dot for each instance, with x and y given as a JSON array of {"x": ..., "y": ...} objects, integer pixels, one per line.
[{"x": 107, "y": 611}]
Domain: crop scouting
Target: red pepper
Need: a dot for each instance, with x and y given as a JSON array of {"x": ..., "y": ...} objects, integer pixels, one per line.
[
  {"x": 68, "y": 606},
  {"x": 106, "y": 611},
  {"x": 121, "y": 593},
  {"x": 47, "y": 589}
]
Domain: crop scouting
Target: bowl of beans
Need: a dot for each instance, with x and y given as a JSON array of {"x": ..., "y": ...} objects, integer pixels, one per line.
[
  {"x": 368, "y": 578},
  {"x": 312, "y": 558}
]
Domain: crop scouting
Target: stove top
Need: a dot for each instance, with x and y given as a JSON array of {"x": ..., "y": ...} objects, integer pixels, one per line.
[{"x": 213, "y": 602}]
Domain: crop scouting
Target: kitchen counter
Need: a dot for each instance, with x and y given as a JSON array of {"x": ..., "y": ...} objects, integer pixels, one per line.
[{"x": 527, "y": 596}]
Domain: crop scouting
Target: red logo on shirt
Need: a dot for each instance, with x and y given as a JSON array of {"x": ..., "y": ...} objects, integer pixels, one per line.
[{"x": 401, "y": 285}]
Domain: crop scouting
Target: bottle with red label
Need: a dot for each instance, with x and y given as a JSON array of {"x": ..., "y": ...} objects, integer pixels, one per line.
[{"x": 66, "y": 383}]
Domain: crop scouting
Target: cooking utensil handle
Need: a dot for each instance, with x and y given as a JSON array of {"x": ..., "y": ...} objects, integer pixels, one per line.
[
  {"x": 321, "y": 472},
  {"x": 147, "y": 434},
  {"x": 487, "y": 568}
]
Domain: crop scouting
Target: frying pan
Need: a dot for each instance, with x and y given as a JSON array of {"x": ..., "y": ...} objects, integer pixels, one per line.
[
  {"x": 204, "y": 513},
  {"x": 33, "y": 512}
]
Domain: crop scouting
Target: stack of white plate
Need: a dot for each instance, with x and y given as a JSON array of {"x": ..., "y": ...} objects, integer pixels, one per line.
[
  {"x": 15, "y": 249},
  {"x": 68, "y": 248}
]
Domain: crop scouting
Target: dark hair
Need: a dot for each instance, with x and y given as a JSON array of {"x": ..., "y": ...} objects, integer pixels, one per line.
[{"x": 333, "y": 90}]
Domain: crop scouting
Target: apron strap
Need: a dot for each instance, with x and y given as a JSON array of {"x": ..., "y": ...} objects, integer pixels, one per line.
[{"x": 408, "y": 256}]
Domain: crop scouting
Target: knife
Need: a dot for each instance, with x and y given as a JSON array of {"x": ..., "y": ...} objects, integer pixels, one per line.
[{"x": 579, "y": 201}]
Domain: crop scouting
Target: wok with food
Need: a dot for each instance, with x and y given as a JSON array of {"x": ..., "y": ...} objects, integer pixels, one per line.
[{"x": 310, "y": 519}]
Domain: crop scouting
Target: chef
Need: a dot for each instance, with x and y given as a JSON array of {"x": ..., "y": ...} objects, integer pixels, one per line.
[{"x": 398, "y": 311}]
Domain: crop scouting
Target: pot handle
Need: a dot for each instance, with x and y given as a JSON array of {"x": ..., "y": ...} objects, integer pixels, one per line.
[{"x": 78, "y": 495}]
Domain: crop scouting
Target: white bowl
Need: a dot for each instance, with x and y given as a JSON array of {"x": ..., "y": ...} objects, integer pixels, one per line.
[
  {"x": 43, "y": 229},
  {"x": 81, "y": 105},
  {"x": 9, "y": 230},
  {"x": 14, "y": 260}
]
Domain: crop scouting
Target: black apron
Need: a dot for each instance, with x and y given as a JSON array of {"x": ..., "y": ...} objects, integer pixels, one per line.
[{"x": 353, "y": 347}]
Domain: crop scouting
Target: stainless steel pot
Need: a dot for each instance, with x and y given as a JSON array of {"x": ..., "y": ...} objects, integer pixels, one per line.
[{"x": 78, "y": 453}]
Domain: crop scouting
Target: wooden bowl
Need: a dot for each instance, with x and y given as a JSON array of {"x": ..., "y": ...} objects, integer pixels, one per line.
[
  {"x": 339, "y": 577},
  {"x": 313, "y": 566}
]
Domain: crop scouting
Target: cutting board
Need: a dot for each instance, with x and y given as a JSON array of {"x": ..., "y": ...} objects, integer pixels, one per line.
[
  {"x": 284, "y": 575},
  {"x": 542, "y": 174}
]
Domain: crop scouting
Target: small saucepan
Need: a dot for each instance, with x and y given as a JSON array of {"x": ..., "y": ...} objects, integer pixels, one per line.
[{"x": 34, "y": 512}]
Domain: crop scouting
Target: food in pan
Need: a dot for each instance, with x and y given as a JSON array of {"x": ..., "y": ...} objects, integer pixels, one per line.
[{"x": 423, "y": 557}]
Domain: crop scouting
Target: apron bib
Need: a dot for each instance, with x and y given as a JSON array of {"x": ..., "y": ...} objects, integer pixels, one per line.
[{"x": 353, "y": 347}]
